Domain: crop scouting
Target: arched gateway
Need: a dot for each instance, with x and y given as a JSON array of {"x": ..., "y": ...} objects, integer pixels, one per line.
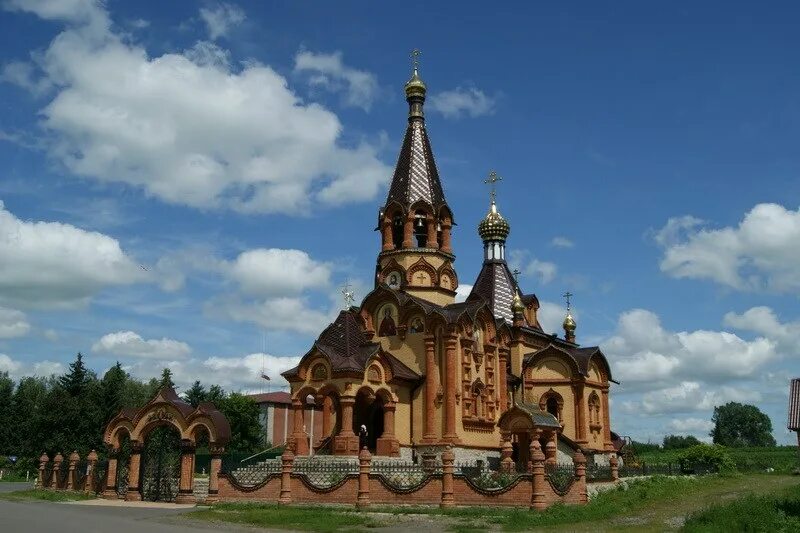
[{"x": 163, "y": 429}]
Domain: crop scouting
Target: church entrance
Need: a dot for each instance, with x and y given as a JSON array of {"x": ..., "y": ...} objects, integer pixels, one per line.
[
  {"x": 161, "y": 464},
  {"x": 368, "y": 412}
]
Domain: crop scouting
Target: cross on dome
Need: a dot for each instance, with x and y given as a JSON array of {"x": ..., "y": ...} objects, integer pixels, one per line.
[{"x": 492, "y": 181}]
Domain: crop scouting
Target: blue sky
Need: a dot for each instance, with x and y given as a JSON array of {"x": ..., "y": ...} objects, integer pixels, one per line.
[{"x": 189, "y": 184}]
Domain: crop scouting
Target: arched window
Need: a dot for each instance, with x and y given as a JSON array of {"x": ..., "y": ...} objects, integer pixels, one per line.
[
  {"x": 421, "y": 228},
  {"x": 552, "y": 406},
  {"x": 553, "y": 403},
  {"x": 594, "y": 409},
  {"x": 397, "y": 230},
  {"x": 478, "y": 405}
]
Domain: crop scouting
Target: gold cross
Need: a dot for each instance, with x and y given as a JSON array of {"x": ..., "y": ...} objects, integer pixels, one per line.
[
  {"x": 348, "y": 295},
  {"x": 492, "y": 180},
  {"x": 415, "y": 53},
  {"x": 568, "y": 295}
]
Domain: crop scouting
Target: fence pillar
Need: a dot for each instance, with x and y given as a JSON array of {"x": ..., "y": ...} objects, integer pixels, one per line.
[
  {"x": 287, "y": 460},
  {"x": 213, "y": 473},
  {"x": 365, "y": 461},
  {"x": 43, "y": 460},
  {"x": 73, "y": 464},
  {"x": 186, "y": 483},
  {"x": 551, "y": 448},
  {"x": 448, "y": 457},
  {"x": 57, "y": 460},
  {"x": 614, "y": 467},
  {"x": 538, "y": 501},
  {"x": 506, "y": 451},
  {"x": 580, "y": 473},
  {"x": 134, "y": 493},
  {"x": 91, "y": 463},
  {"x": 110, "y": 489}
]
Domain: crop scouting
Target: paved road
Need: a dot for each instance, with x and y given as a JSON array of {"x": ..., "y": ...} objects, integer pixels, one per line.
[{"x": 47, "y": 517}]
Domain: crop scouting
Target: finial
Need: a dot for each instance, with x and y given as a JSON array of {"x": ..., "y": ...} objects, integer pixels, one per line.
[
  {"x": 492, "y": 180},
  {"x": 415, "y": 53},
  {"x": 516, "y": 273},
  {"x": 415, "y": 89},
  {"x": 348, "y": 295},
  {"x": 567, "y": 295}
]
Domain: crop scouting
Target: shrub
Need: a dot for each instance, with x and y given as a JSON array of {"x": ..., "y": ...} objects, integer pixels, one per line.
[
  {"x": 704, "y": 454},
  {"x": 750, "y": 514}
]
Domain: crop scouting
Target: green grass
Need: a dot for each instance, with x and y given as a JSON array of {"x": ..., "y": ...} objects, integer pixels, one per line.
[
  {"x": 45, "y": 495},
  {"x": 780, "y": 512},
  {"x": 316, "y": 518},
  {"x": 783, "y": 459}
]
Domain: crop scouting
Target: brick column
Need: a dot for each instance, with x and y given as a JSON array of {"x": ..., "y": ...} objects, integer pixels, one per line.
[
  {"x": 134, "y": 493},
  {"x": 327, "y": 416},
  {"x": 57, "y": 460},
  {"x": 502, "y": 360},
  {"x": 538, "y": 501},
  {"x": 298, "y": 434},
  {"x": 287, "y": 461},
  {"x": 614, "y": 467},
  {"x": 364, "y": 460},
  {"x": 73, "y": 464},
  {"x": 506, "y": 451},
  {"x": 607, "y": 444},
  {"x": 43, "y": 460},
  {"x": 580, "y": 473},
  {"x": 580, "y": 414},
  {"x": 432, "y": 237},
  {"x": 91, "y": 463},
  {"x": 551, "y": 448},
  {"x": 110, "y": 488},
  {"x": 408, "y": 231},
  {"x": 447, "y": 247},
  {"x": 213, "y": 473},
  {"x": 448, "y": 457},
  {"x": 431, "y": 387},
  {"x": 346, "y": 442},
  {"x": 387, "y": 444},
  {"x": 185, "y": 486},
  {"x": 450, "y": 346},
  {"x": 388, "y": 239}
]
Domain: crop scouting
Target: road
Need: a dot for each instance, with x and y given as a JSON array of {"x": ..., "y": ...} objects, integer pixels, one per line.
[{"x": 47, "y": 517}]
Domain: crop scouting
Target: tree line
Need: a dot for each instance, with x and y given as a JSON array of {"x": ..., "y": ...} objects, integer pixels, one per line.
[{"x": 70, "y": 412}]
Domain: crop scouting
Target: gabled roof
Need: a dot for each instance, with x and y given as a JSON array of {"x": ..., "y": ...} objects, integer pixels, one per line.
[
  {"x": 450, "y": 313},
  {"x": 416, "y": 177},
  {"x": 533, "y": 413},
  {"x": 580, "y": 357},
  {"x": 496, "y": 285},
  {"x": 348, "y": 350}
]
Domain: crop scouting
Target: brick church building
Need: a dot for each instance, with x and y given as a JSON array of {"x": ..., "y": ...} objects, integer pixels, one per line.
[{"x": 419, "y": 371}]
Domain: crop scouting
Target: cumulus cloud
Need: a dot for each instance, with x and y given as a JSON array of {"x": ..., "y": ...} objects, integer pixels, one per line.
[
  {"x": 17, "y": 369},
  {"x": 543, "y": 271},
  {"x": 551, "y": 317},
  {"x": 462, "y": 291},
  {"x": 328, "y": 72},
  {"x": 761, "y": 253},
  {"x": 461, "y": 102},
  {"x": 49, "y": 264},
  {"x": 24, "y": 75},
  {"x": 221, "y": 18},
  {"x": 696, "y": 426},
  {"x": 277, "y": 272},
  {"x": 689, "y": 396},
  {"x": 562, "y": 242},
  {"x": 646, "y": 352},
  {"x": 13, "y": 323},
  {"x": 130, "y": 344},
  {"x": 188, "y": 128}
]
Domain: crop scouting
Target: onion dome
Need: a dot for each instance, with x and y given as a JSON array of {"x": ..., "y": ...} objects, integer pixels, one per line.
[
  {"x": 415, "y": 86},
  {"x": 517, "y": 306},
  {"x": 493, "y": 227},
  {"x": 569, "y": 324}
]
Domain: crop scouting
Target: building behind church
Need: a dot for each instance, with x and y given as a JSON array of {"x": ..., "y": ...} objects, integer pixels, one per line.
[{"x": 419, "y": 371}]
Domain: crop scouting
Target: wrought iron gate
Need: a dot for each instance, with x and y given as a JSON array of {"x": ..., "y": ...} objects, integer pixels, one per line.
[{"x": 161, "y": 465}]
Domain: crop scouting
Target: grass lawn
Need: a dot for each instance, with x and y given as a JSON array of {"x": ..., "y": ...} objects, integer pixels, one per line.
[
  {"x": 783, "y": 459},
  {"x": 45, "y": 495},
  {"x": 657, "y": 504},
  {"x": 779, "y": 512}
]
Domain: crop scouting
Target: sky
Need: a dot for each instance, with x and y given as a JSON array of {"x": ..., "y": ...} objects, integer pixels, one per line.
[{"x": 191, "y": 184}]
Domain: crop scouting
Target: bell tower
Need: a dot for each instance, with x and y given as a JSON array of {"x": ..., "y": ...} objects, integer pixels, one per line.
[{"x": 415, "y": 222}]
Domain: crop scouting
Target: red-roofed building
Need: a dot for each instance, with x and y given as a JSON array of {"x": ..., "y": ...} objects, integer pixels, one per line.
[{"x": 277, "y": 417}]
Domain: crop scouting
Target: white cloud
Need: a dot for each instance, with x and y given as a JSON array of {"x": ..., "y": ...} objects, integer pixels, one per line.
[
  {"x": 130, "y": 344},
  {"x": 188, "y": 128},
  {"x": 280, "y": 313},
  {"x": 277, "y": 272},
  {"x": 18, "y": 369},
  {"x": 328, "y": 71},
  {"x": 544, "y": 271},
  {"x": 562, "y": 242},
  {"x": 221, "y": 18},
  {"x": 460, "y": 102},
  {"x": 644, "y": 352},
  {"x": 689, "y": 396},
  {"x": 462, "y": 291},
  {"x": 763, "y": 321},
  {"x": 551, "y": 317},
  {"x": 696, "y": 426},
  {"x": 761, "y": 253},
  {"x": 49, "y": 264},
  {"x": 13, "y": 323},
  {"x": 24, "y": 75}
]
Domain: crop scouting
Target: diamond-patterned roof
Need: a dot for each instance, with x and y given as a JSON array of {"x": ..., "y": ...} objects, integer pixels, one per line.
[
  {"x": 415, "y": 176},
  {"x": 496, "y": 285}
]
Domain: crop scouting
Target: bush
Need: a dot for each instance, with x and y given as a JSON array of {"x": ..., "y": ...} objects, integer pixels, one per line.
[{"x": 704, "y": 454}]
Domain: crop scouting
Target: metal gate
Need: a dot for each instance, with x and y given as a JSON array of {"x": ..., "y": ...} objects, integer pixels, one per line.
[{"x": 161, "y": 465}]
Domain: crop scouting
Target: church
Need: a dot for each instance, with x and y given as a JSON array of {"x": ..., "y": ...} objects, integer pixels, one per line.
[{"x": 411, "y": 371}]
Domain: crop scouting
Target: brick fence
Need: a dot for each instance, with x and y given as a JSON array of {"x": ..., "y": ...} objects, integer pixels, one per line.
[{"x": 71, "y": 474}]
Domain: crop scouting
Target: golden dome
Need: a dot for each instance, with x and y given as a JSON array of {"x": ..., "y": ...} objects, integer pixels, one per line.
[
  {"x": 415, "y": 86},
  {"x": 493, "y": 227},
  {"x": 517, "y": 306},
  {"x": 569, "y": 323}
]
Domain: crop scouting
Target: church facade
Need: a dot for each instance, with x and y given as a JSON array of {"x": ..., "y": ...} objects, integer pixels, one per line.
[{"x": 410, "y": 370}]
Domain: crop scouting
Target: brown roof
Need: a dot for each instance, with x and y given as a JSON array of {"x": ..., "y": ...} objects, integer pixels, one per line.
[
  {"x": 496, "y": 285},
  {"x": 281, "y": 397},
  {"x": 580, "y": 356},
  {"x": 416, "y": 177}
]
